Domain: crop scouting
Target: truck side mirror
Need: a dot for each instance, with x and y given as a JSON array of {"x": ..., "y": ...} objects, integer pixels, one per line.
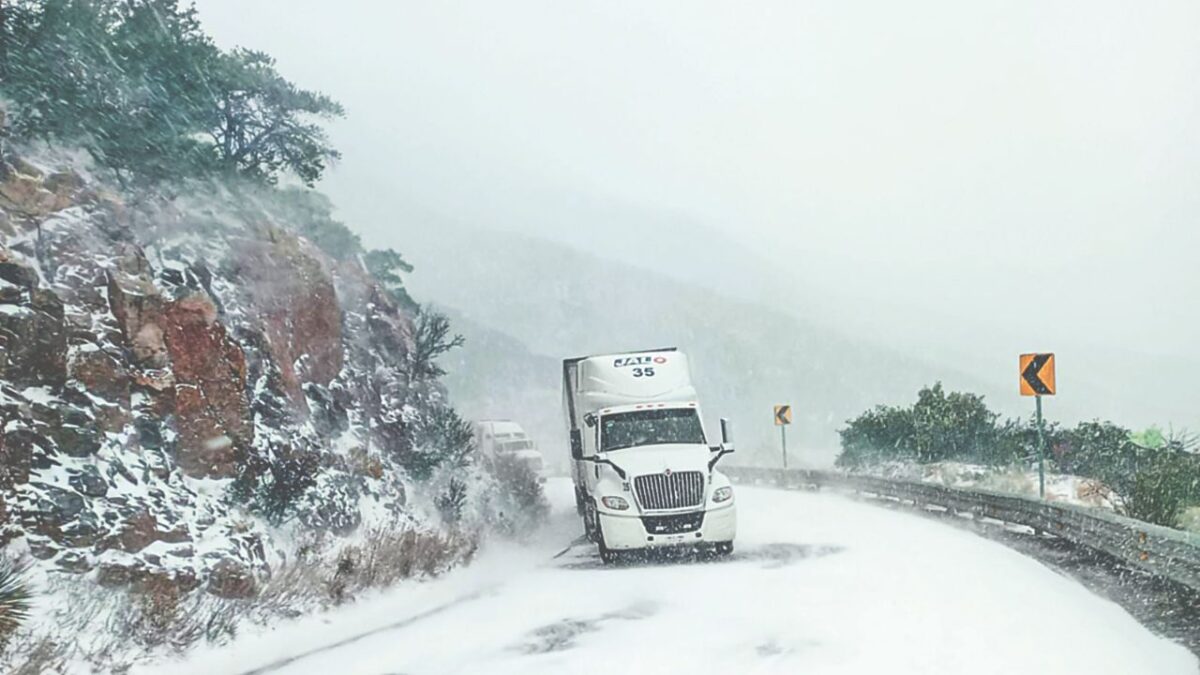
[
  {"x": 576, "y": 444},
  {"x": 590, "y": 420},
  {"x": 726, "y": 435}
]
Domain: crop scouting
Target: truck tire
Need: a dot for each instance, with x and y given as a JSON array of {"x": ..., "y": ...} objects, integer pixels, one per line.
[
  {"x": 591, "y": 522},
  {"x": 607, "y": 555},
  {"x": 579, "y": 502},
  {"x": 724, "y": 548}
]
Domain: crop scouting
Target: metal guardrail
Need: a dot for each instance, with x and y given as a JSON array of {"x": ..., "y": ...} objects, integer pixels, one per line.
[{"x": 1162, "y": 551}]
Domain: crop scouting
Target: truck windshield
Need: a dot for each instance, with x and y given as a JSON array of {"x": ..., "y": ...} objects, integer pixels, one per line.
[{"x": 649, "y": 427}]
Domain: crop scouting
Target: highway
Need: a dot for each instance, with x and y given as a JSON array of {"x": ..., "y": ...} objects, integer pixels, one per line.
[{"x": 819, "y": 584}]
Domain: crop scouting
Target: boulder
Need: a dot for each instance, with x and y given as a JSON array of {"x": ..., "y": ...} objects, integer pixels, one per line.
[
  {"x": 212, "y": 414},
  {"x": 111, "y": 574},
  {"x": 26, "y": 195},
  {"x": 65, "y": 186},
  {"x": 17, "y": 272},
  {"x": 88, "y": 481},
  {"x": 22, "y": 166},
  {"x": 99, "y": 373},
  {"x": 232, "y": 580},
  {"x": 33, "y": 341},
  {"x": 138, "y": 305},
  {"x": 55, "y": 507},
  {"x": 16, "y": 455},
  {"x": 82, "y": 533},
  {"x": 329, "y": 417},
  {"x": 74, "y": 562},
  {"x": 138, "y": 531},
  {"x": 70, "y": 425},
  {"x": 296, "y": 299}
]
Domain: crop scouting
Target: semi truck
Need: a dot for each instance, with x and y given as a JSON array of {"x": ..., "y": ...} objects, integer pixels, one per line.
[
  {"x": 644, "y": 471},
  {"x": 506, "y": 440}
]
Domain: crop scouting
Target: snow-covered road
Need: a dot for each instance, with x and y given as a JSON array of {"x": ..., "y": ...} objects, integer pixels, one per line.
[{"x": 819, "y": 584}]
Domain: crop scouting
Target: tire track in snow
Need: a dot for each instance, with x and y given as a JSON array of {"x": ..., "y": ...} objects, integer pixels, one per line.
[
  {"x": 403, "y": 623},
  {"x": 397, "y": 625}
]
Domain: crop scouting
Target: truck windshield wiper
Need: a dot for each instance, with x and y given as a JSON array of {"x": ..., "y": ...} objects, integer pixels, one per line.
[{"x": 605, "y": 460}]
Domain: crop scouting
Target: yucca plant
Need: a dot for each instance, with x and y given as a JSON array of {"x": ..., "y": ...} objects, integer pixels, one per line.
[{"x": 15, "y": 597}]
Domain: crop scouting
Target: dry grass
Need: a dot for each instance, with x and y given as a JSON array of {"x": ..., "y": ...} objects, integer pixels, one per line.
[
  {"x": 38, "y": 656},
  {"x": 110, "y": 630},
  {"x": 389, "y": 556}
]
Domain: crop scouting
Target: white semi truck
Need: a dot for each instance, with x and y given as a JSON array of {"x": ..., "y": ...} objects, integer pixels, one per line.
[
  {"x": 645, "y": 474},
  {"x": 506, "y": 440}
]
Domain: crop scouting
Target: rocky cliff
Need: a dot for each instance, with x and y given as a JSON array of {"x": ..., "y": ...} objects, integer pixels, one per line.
[{"x": 186, "y": 383}]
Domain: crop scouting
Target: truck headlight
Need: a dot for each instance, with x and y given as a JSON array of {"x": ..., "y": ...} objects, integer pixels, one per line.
[
  {"x": 615, "y": 503},
  {"x": 722, "y": 494}
]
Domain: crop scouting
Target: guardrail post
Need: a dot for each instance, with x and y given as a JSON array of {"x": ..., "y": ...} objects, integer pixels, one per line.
[{"x": 1041, "y": 450}]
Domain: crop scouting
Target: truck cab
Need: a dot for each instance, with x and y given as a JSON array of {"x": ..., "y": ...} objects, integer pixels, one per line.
[{"x": 644, "y": 468}]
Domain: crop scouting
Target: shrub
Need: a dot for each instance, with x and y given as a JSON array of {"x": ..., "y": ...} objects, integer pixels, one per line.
[
  {"x": 436, "y": 438},
  {"x": 1165, "y": 484},
  {"x": 390, "y": 554},
  {"x": 272, "y": 486},
  {"x": 938, "y": 426},
  {"x": 15, "y": 600},
  {"x": 451, "y": 502},
  {"x": 522, "y": 490},
  {"x": 1156, "y": 476},
  {"x": 386, "y": 265}
]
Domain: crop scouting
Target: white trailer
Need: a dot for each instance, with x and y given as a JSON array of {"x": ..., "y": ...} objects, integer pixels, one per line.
[{"x": 645, "y": 474}]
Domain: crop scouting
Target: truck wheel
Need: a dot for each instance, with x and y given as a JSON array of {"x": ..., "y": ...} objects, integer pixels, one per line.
[
  {"x": 724, "y": 548},
  {"x": 607, "y": 555},
  {"x": 579, "y": 502},
  {"x": 591, "y": 522}
]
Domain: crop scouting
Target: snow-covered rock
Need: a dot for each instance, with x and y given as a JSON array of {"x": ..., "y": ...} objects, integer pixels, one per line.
[{"x": 186, "y": 389}]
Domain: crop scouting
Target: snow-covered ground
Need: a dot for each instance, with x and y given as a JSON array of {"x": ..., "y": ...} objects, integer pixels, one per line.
[{"x": 820, "y": 585}]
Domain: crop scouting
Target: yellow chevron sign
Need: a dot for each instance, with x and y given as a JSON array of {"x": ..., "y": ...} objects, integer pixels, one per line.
[{"x": 783, "y": 415}]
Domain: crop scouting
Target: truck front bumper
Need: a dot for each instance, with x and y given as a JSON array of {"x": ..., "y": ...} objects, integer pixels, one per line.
[{"x": 634, "y": 532}]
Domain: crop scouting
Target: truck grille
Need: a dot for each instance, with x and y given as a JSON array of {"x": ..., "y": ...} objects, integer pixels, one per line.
[
  {"x": 676, "y": 524},
  {"x": 660, "y": 491}
]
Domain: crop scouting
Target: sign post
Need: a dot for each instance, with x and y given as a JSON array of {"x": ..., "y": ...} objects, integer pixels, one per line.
[
  {"x": 783, "y": 417},
  {"x": 1037, "y": 380}
]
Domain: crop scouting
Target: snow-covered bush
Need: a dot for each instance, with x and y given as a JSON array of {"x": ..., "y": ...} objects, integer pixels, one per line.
[
  {"x": 1155, "y": 482},
  {"x": 15, "y": 598}
]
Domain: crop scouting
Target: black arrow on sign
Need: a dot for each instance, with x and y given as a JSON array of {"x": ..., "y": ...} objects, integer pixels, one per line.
[
  {"x": 781, "y": 415},
  {"x": 1031, "y": 372}
]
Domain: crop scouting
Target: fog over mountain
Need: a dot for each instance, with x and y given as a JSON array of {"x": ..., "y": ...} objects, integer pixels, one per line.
[
  {"x": 527, "y": 302},
  {"x": 955, "y": 183}
]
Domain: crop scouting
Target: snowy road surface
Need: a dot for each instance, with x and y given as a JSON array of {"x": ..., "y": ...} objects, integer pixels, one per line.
[{"x": 819, "y": 584}]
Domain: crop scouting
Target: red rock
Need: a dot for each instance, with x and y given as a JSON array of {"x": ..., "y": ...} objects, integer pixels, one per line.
[
  {"x": 230, "y": 579},
  {"x": 212, "y": 414},
  {"x": 137, "y": 532},
  {"x": 33, "y": 341},
  {"x": 295, "y": 296},
  {"x": 138, "y": 306},
  {"x": 100, "y": 374}
]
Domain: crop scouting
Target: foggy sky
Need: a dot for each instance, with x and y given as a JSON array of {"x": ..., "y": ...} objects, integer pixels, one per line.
[{"x": 989, "y": 177}]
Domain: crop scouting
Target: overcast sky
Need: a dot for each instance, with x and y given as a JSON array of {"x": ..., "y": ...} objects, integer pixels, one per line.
[{"x": 1024, "y": 166}]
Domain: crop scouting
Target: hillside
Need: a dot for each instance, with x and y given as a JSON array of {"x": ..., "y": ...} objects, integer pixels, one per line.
[{"x": 198, "y": 405}]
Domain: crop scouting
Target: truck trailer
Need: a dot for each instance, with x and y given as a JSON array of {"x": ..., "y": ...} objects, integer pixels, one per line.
[{"x": 645, "y": 474}]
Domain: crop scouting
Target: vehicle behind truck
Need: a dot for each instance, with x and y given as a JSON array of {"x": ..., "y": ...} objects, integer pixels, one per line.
[
  {"x": 645, "y": 474},
  {"x": 505, "y": 440}
]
